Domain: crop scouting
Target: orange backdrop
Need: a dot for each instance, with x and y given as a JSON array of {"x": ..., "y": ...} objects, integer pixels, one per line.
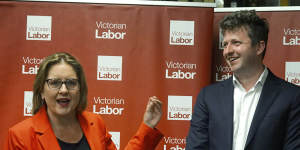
[{"x": 128, "y": 52}]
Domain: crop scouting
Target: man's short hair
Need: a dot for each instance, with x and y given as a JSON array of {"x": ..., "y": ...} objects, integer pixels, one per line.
[{"x": 257, "y": 28}]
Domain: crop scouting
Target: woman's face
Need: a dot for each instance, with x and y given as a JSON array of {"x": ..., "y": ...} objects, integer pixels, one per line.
[{"x": 61, "y": 90}]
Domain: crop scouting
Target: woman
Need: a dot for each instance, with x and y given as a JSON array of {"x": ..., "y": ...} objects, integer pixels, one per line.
[{"x": 60, "y": 120}]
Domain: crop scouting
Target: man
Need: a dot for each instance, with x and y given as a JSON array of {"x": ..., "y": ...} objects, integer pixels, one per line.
[{"x": 252, "y": 110}]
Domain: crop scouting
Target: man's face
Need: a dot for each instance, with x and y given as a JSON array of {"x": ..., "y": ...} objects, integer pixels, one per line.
[{"x": 238, "y": 51}]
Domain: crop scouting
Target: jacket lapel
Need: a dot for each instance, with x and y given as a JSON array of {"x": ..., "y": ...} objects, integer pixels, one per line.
[
  {"x": 44, "y": 132},
  {"x": 269, "y": 92},
  {"x": 48, "y": 140},
  {"x": 227, "y": 105},
  {"x": 90, "y": 127}
]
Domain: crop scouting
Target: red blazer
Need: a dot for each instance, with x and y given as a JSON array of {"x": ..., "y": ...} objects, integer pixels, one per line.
[{"x": 36, "y": 133}]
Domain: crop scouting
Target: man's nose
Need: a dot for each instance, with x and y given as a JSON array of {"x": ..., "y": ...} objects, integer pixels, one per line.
[{"x": 227, "y": 49}]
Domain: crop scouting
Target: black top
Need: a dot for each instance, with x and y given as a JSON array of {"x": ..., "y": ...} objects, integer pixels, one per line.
[{"x": 80, "y": 145}]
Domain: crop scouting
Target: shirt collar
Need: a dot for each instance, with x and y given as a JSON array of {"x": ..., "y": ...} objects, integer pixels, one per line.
[{"x": 261, "y": 80}]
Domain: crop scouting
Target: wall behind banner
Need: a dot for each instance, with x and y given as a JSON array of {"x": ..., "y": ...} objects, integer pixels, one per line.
[
  {"x": 282, "y": 54},
  {"x": 128, "y": 52}
]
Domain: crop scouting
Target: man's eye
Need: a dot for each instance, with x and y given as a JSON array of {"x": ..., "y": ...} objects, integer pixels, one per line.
[{"x": 236, "y": 42}]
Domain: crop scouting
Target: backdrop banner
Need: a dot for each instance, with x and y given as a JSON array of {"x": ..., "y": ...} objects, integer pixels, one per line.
[
  {"x": 282, "y": 53},
  {"x": 128, "y": 52}
]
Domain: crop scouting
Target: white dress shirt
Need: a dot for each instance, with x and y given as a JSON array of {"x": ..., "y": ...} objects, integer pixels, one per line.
[{"x": 245, "y": 103}]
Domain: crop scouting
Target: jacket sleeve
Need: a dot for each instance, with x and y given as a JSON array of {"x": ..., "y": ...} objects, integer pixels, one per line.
[
  {"x": 12, "y": 142},
  {"x": 197, "y": 138},
  {"x": 292, "y": 139},
  {"x": 146, "y": 138}
]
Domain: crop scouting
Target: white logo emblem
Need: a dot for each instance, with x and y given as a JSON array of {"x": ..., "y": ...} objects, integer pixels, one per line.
[
  {"x": 180, "y": 107},
  {"x": 221, "y": 38},
  {"x": 28, "y": 95},
  {"x": 38, "y": 28},
  {"x": 115, "y": 137},
  {"x": 109, "y": 68},
  {"x": 292, "y": 72},
  {"x": 181, "y": 32}
]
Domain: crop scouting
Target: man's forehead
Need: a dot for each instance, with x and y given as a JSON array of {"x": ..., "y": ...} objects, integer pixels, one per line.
[{"x": 235, "y": 30}]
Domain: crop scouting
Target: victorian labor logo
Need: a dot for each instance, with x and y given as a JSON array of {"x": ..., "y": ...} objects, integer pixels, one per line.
[
  {"x": 179, "y": 107},
  {"x": 109, "y": 68},
  {"x": 115, "y": 137},
  {"x": 292, "y": 72},
  {"x": 28, "y": 103},
  {"x": 181, "y": 32},
  {"x": 39, "y": 28}
]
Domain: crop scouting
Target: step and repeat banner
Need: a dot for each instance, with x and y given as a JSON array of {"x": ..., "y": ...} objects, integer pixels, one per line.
[
  {"x": 128, "y": 52},
  {"x": 283, "y": 48}
]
